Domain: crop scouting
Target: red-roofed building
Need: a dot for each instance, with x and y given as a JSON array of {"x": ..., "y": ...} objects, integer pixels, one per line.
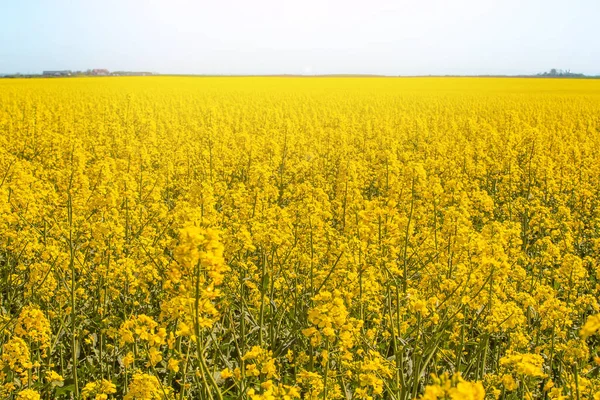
[{"x": 100, "y": 72}]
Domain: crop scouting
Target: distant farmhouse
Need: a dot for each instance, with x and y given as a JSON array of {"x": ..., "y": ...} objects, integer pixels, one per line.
[
  {"x": 57, "y": 73},
  {"x": 100, "y": 72},
  {"x": 132, "y": 73}
]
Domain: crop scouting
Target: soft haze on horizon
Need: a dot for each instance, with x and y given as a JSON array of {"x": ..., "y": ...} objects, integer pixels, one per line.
[{"x": 461, "y": 37}]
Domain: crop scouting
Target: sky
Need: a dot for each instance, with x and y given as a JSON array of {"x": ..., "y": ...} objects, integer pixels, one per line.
[{"x": 401, "y": 37}]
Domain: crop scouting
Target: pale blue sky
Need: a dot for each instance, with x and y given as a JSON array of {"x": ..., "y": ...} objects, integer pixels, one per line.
[{"x": 401, "y": 37}]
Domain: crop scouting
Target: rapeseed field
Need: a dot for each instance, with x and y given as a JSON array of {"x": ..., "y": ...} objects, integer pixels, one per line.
[{"x": 286, "y": 238}]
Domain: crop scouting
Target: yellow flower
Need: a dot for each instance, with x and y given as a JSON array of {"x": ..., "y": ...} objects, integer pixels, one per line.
[
  {"x": 455, "y": 388},
  {"x": 226, "y": 373},
  {"x": 145, "y": 387},
  {"x": 591, "y": 326},
  {"x": 526, "y": 364},
  {"x": 98, "y": 390},
  {"x": 54, "y": 379},
  {"x": 28, "y": 394},
  {"x": 173, "y": 365},
  {"x": 154, "y": 356},
  {"x": 128, "y": 359},
  {"x": 467, "y": 391},
  {"x": 33, "y": 325},
  {"x": 15, "y": 353},
  {"x": 509, "y": 383}
]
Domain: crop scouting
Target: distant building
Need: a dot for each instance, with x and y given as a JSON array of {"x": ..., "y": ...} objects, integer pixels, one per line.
[
  {"x": 132, "y": 73},
  {"x": 57, "y": 73},
  {"x": 100, "y": 72}
]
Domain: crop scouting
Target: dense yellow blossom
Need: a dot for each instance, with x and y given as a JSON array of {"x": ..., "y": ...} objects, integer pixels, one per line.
[
  {"x": 525, "y": 364},
  {"x": 100, "y": 390},
  {"x": 146, "y": 387},
  {"x": 591, "y": 326},
  {"x": 28, "y": 394},
  {"x": 16, "y": 355},
  {"x": 454, "y": 388},
  {"x": 286, "y": 238},
  {"x": 260, "y": 362},
  {"x": 33, "y": 325},
  {"x": 54, "y": 378}
]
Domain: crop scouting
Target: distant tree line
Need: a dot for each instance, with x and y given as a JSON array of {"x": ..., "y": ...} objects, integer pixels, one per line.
[{"x": 561, "y": 73}]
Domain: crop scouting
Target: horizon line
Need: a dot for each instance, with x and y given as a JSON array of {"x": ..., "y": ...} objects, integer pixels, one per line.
[{"x": 332, "y": 75}]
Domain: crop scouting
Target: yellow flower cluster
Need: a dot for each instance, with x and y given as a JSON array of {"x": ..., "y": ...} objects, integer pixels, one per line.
[
  {"x": 16, "y": 355},
  {"x": 524, "y": 364},
  {"x": 99, "y": 390},
  {"x": 299, "y": 238},
  {"x": 591, "y": 326},
  {"x": 28, "y": 394},
  {"x": 146, "y": 387},
  {"x": 33, "y": 325},
  {"x": 453, "y": 388},
  {"x": 260, "y": 362},
  {"x": 329, "y": 318},
  {"x": 274, "y": 392}
]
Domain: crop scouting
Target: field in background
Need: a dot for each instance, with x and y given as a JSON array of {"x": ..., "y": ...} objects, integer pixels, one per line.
[{"x": 278, "y": 238}]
